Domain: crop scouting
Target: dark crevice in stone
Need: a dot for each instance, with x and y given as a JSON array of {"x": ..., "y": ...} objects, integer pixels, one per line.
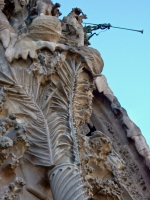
[{"x": 92, "y": 129}]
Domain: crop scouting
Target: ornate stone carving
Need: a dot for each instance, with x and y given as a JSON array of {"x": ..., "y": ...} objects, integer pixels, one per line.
[
  {"x": 13, "y": 189},
  {"x": 71, "y": 185},
  {"x": 48, "y": 140},
  {"x": 46, "y": 28},
  {"x": 93, "y": 60},
  {"x": 131, "y": 176},
  {"x": 45, "y": 65},
  {"x": 5, "y": 144},
  {"x": 7, "y": 33},
  {"x": 132, "y": 130},
  {"x": 72, "y": 31},
  {"x": 98, "y": 158},
  {"x": 46, "y": 7},
  {"x": 18, "y": 4},
  {"x": 30, "y": 48},
  {"x": 2, "y": 97},
  {"x": 14, "y": 143},
  {"x": 135, "y": 134}
]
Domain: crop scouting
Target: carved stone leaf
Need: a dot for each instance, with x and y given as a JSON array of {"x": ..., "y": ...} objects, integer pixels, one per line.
[
  {"x": 21, "y": 100},
  {"x": 46, "y": 110}
]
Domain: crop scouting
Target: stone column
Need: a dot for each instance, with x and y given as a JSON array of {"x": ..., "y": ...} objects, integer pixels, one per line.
[{"x": 67, "y": 183}]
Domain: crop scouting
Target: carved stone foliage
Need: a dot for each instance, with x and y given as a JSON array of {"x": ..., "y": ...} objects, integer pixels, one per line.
[
  {"x": 46, "y": 94},
  {"x": 13, "y": 141},
  {"x": 53, "y": 96},
  {"x": 63, "y": 83},
  {"x": 13, "y": 190},
  {"x": 2, "y": 97},
  {"x": 98, "y": 160},
  {"x": 13, "y": 145},
  {"x": 5, "y": 145},
  {"x": 46, "y": 65},
  {"x": 131, "y": 129},
  {"x": 132, "y": 179},
  {"x": 106, "y": 173}
]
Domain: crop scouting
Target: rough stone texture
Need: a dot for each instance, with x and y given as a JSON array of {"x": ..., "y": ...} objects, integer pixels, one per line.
[
  {"x": 45, "y": 28},
  {"x": 63, "y": 133}
]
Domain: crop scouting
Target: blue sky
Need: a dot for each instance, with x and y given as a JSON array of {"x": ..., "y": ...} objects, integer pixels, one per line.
[{"x": 126, "y": 54}]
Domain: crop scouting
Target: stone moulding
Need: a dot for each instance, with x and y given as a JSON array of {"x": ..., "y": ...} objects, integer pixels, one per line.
[{"x": 131, "y": 129}]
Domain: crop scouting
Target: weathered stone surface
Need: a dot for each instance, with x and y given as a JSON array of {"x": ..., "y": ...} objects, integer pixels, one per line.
[
  {"x": 46, "y": 28},
  {"x": 134, "y": 177},
  {"x": 63, "y": 133},
  {"x": 72, "y": 30}
]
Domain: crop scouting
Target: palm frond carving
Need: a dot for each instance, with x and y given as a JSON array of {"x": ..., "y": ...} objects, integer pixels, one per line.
[{"x": 42, "y": 97}]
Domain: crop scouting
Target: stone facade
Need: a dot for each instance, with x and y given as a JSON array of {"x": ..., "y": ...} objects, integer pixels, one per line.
[{"x": 63, "y": 133}]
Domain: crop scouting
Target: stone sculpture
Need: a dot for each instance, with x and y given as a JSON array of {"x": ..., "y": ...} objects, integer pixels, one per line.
[
  {"x": 19, "y": 3},
  {"x": 72, "y": 30},
  {"x": 51, "y": 148},
  {"x": 7, "y": 33},
  {"x": 132, "y": 130},
  {"x": 46, "y": 7}
]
